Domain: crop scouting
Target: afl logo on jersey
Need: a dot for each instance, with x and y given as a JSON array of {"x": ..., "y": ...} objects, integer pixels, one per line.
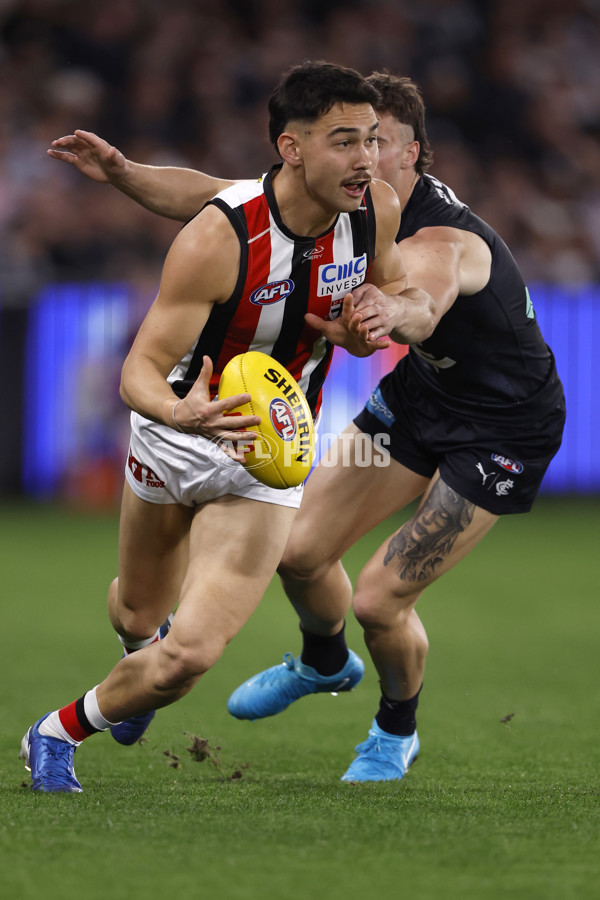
[
  {"x": 283, "y": 419},
  {"x": 511, "y": 465},
  {"x": 272, "y": 292}
]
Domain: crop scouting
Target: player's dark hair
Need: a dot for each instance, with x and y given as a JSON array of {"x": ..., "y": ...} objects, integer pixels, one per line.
[
  {"x": 402, "y": 99},
  {"x": 309, "y": 90}
]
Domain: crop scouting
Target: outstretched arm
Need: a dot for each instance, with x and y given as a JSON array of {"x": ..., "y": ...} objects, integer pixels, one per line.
[
  {"x": 396, "y": 303},
  {"x": 170, "y": 191},
  {"x": 385, "y": 307}
]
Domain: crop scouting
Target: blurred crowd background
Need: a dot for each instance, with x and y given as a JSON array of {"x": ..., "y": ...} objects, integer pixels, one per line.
[{"x": 512, "y": 89}]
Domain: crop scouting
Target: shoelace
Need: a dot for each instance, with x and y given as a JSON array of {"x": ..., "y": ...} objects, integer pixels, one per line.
[
  {"x": 289, "y": 663},
  {"x": 62, "y": 757},
  {"x": 372, "y": 743}
]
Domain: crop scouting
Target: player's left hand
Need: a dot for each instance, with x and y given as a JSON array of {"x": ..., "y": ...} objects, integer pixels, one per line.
[
  {"x": 378, "y": 311},
  {"x": 348, "y": 330},
  {"x": 196, "y": 413}
]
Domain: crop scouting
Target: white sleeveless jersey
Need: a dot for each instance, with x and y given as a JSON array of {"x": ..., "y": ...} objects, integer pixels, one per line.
[{"x": 282, "y": 276}]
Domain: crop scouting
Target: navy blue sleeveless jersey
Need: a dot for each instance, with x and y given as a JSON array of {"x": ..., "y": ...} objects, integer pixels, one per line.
[{"x": 487, "y": 353}]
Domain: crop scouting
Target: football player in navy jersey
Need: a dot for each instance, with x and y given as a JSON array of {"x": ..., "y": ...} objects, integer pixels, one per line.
[
  {"x": 471, "y": 417},
  {"x": 193, "y": 519}
]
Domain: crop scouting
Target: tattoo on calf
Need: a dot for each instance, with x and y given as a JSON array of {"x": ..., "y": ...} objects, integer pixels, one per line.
[{"x": 424, "y": 542}]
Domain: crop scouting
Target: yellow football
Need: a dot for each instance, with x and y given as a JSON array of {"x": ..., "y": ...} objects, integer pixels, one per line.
[{"x": 282, "y": 455}]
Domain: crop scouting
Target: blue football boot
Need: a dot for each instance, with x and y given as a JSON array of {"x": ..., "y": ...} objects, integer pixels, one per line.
[
  {"x": 131, "y": 730},
  {"x": 50, "y": 762},
  {"x": 272, "y": 691},
  {"x": 382, "y": 757}
]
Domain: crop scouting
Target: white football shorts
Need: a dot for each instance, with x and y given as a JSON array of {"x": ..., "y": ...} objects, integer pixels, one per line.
[{"x": 165, "y": 466}]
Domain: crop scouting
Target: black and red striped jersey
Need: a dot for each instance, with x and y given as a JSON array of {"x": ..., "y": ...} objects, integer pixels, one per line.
[{"x": 281, "y": 277}]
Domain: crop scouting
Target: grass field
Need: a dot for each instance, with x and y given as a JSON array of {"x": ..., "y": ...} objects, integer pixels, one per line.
[{"x": 491, "y": 809}]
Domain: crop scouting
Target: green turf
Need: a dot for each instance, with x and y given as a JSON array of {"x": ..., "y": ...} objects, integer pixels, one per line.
[{"x": 491, "y": 809}]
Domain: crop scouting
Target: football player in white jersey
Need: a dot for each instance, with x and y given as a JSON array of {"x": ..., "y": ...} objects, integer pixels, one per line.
[{"x": 191, "y": 529}]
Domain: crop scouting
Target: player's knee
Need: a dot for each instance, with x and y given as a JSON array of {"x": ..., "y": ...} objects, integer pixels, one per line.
[
  {"x": 181, "y": 664},
  {"x": 302, "y": 558},
  {"x": 298, "y": 562},
  {"x": 367, "y": 609},
  {"x": 378, "y": 601},
  {"x": 132, "y": 622}
]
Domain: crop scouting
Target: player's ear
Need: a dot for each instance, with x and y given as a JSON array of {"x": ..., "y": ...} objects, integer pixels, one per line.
[
  {"x": 410, "y": 154},
  {"x": 289, "y": 149}
]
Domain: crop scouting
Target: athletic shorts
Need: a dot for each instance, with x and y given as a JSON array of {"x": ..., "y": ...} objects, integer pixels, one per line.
[
  {"x": 494, "y": 459},
  {"x": 165, "y": 466}
]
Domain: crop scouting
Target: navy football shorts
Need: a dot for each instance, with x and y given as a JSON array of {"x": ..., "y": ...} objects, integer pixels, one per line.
[{"x": 494, "y": 459}]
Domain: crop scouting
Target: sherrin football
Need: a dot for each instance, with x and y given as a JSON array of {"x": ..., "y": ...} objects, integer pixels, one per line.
[{"x": 282, "y": 455}]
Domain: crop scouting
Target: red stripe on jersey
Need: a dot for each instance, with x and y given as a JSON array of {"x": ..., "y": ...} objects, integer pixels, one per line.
[
  {"x": 71, "y": 724},
  {"x": 319, "y": 306},
  {"x": 256, "y": 212},
  {"x": 245, "y": 323}
]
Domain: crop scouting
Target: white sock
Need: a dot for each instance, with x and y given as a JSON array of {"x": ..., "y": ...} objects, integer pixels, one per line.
[
  {"x": 130, "y": 646},
  {"x": 52, "y": 727},
  {"x": 92, "y": 711}
]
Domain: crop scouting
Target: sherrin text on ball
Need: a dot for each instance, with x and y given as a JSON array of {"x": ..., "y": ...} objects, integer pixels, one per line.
[{"x": 282, "y": 455}]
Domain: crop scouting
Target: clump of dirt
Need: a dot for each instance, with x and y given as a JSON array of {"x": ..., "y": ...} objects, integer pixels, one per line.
[
  {"x": 174, "y": 761},
  {"x": 201, "y": 750}
]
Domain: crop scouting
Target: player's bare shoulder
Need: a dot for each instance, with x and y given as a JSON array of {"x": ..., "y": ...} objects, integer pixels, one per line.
[
  {"x": 387, "y": 208},
  {"x": 206, "y": 251}
]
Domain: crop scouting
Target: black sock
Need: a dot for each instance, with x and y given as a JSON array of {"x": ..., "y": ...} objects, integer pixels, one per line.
[
  {"x": 327, "y": 654},
  {"x": 398, "y": 716}
]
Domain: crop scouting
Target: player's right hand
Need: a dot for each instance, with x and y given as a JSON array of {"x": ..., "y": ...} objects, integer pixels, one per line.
[
  {"x": 92, "y": 155},
  {"x": 213, "y": 419}
]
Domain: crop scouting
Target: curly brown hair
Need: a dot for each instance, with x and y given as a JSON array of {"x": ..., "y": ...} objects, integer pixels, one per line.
[{"x": 401, "y": 97}]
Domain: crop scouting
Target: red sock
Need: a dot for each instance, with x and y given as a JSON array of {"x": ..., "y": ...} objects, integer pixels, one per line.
[{"x": 75, "y": 722}]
